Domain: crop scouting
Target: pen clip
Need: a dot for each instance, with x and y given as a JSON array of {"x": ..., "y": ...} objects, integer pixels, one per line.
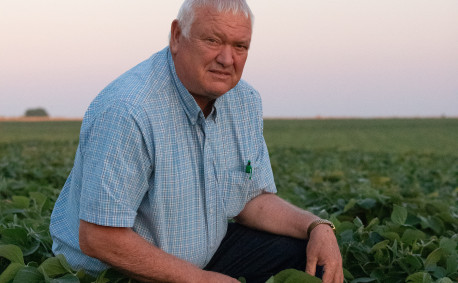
[{"x": 249, "y": 169}]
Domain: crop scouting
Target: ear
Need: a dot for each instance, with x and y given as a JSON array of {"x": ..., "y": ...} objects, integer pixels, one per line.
[{"x": 175, "y": 37}]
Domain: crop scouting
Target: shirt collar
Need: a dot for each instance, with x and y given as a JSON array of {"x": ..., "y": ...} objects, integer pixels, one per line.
[{"x": 188, "y": 103}]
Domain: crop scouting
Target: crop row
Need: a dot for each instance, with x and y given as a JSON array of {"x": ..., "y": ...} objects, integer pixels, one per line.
[{"x": 396, "y": 213}]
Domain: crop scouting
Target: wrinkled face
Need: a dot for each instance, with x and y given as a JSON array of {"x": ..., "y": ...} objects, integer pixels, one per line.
[{"x": 210, "y": 62}]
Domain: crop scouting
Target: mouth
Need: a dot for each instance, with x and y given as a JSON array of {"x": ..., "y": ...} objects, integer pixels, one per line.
[{"x": 220, "y": 73}]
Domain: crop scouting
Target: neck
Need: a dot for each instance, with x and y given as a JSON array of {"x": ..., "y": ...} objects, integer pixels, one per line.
[{"x": 204, "y": 103}]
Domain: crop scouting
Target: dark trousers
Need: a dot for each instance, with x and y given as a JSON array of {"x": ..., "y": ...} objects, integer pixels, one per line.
[{"x": 257, "y": 255}]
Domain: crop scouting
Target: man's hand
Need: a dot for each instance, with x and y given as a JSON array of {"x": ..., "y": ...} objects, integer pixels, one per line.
[
  {"x": 268, "y": 212},
  {"x": 126, "y": 251},
  {"x": 322, "y": 249}
]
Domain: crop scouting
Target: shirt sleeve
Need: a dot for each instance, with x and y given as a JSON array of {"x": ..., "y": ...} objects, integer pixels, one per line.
[
  {"x": 263, "y": 179},
  {"x": 116, "y": 168}
]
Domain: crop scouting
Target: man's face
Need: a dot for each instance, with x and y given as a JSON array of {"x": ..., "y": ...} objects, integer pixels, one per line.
[{"x": 210, "y": 62}]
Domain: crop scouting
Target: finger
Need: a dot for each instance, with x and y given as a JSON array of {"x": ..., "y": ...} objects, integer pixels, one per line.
[
  {"x": 328, "y": 275},
  {"x": 340, "y": 279},
  {"x": 331, "y": 274},
  {"x": 339, "y": 276},
  {"x": 310, "y": 266}
]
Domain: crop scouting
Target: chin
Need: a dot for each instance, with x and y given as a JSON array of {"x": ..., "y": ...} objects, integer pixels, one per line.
[
  {"x": 215, "y": 95},
  {"x": 218, "y": 91}
]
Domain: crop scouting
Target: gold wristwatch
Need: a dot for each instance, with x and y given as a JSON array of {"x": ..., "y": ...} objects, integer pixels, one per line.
[{"x": 318, "y": 222}]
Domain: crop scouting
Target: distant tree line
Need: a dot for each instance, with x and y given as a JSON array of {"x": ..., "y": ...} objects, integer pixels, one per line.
[{"x": 36, "y": 112}]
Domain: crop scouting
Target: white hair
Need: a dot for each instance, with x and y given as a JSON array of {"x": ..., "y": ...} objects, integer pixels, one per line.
[{"x": 188, "y": 8}]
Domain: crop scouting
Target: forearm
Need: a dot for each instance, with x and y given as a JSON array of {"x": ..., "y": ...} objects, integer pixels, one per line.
[
  {"x": 125, "y": 250},
  {"x": 268, "y": 212}
]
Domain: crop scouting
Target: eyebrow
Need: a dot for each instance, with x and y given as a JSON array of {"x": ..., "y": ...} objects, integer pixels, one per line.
[{"x": 220, "y": 35}]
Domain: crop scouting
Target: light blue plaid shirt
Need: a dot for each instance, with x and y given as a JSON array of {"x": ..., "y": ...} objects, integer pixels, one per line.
[{"x": 148, "y": 159}]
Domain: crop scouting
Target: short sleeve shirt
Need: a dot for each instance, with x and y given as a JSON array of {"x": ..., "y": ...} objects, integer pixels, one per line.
[{"x": 148, "y": 159}]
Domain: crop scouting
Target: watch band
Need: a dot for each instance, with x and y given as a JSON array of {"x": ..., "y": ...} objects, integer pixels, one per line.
[{"x": 318, "y": 222}]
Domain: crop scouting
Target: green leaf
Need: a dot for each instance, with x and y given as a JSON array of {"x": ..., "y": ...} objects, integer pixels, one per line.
[
  {"x": 367, "y": 203},
  {"x": 412, "y": 262},
  {"x": 379, "y": 275},
  {"x": 357, "y": 221},
  {"x": 33, "y": 264},
  {"x": 448, "y": 245},
  {"x": 64, "y": 263},
  {"x": 12, "y": 253},
  {"x": 68, "y": 278},
  {"x": 399, "y": 215},
  {"x": 39, "y": 199},
  {"x": 31, "y": 248},
  {"x": 391, "y": 236},
  {"x": 344, "y": 226},
  {"x": 439, "y": 272},
  {"x": 380, "y": 245},
  {"x": 15, "y": 236},
  {"x": 347, "y": 274},
  {"x": 394, "y": 249},
  {"x": 419, "y": 277},
  {"x": 295, "y": 276},
  {"x": 20, "y": 202},
  {"x": 351, "y": 203},
  {"x": 452, "y": 264},
  {"x": 434, "y": 223},
  {"x": 81, "y": 274},
  {"x": 444, "y": 280},
  {"x": 362, "y": 280},
  {"x": 101, "y": 278},
  {"x": 9, "y": 273},
  {"x": 375, "y": 221},
  {"x": 360, "y": 253},
  {"x": 346, "y": 236},
  {"x": 433, "y": 258},
  {"x": 52, "y": 267},
  {"x": 410, "y": 236},
  {"x": 28, "y": 274}
]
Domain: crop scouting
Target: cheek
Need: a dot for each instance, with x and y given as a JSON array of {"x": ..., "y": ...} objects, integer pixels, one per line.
[
  {"x": 202, "y": 64},
  {"x": 239, "y": 64}
]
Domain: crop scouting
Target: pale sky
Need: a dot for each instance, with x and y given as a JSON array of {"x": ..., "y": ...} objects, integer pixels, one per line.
[{"x": 340, "y": 58}]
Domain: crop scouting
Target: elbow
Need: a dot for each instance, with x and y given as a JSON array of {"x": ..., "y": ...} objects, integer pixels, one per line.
[
  {"x": 85, "y": 247},
  {"x": 101, "y": 242},
  {"x": 87, "y": 239},
  {"x": 240, "y": 219}
]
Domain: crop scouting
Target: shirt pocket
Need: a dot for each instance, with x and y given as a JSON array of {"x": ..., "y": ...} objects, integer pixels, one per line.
[{"x": 235, "y": 189}]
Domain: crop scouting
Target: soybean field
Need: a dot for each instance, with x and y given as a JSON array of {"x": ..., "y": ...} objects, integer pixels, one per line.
[{"x": 389, "y": 185}]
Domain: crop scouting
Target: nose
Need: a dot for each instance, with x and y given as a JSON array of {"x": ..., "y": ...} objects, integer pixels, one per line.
[{"x": 225, "y": 57}]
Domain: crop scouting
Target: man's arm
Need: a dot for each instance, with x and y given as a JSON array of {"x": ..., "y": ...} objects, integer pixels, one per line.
[
  {"x": 268, "y": 212},
  {"x": 128, "y": 252}
]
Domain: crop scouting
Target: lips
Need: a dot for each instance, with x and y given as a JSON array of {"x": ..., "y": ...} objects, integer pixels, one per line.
[{"x": 220, "y": 73}]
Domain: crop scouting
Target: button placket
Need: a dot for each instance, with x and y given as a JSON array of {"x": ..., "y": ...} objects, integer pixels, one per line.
[{"x": 210, "y": 191}]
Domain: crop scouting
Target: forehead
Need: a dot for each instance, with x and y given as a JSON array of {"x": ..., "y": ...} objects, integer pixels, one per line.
[{"x": 209, "y": 20}]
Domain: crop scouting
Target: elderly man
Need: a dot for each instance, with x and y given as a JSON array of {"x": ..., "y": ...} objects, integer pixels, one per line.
[{"x": 173, "y": 149}]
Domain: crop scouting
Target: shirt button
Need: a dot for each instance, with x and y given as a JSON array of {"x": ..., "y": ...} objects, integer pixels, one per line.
[{"x": 211, "y": 210}]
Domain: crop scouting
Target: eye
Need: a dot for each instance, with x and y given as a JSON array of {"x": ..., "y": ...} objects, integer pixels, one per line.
[
  {"x": 212, "y": 41},
  {"x": 241, "y": 47}
]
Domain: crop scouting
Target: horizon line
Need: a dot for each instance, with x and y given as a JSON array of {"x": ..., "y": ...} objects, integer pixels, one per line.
[{"x": 318, "y": 117}]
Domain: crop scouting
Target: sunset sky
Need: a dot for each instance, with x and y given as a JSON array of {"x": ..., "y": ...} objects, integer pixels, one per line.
[{"x": 352, "y": 58}]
